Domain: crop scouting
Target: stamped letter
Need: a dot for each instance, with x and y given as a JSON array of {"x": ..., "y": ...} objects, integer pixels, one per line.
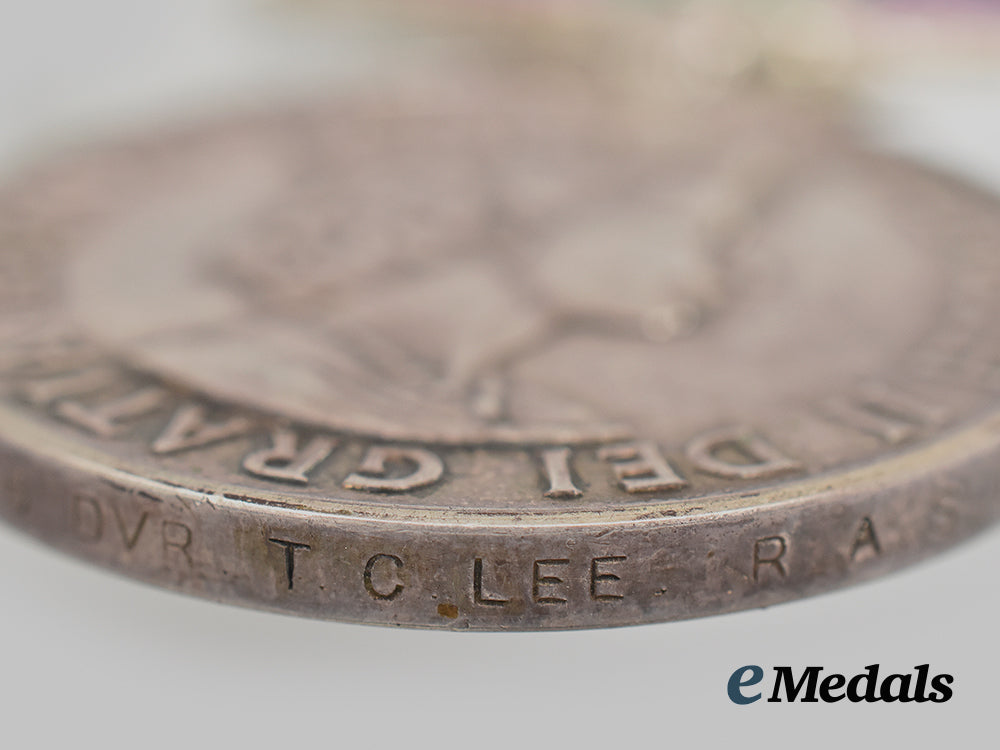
[
  {"x": 290, "y": 549},
  {"x": 865, "y": 539},
  {"x": 129, "y": 537},
  {"x": 383, "y": 561},
  {"x": 88, "y": 520},
  {"x": 478, "y": 596},
  {"x": 545, "y": 584},
  {"x": 601, "y": 581},
  {"x": 768, "y": 552},
  {"x": 177, "y": 537}
]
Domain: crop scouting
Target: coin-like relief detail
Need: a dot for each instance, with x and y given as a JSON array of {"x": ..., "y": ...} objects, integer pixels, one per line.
[
  {"x": 285, "y": 461},
  {"x": 500, "y": 357},
  {"x": 754, "y": 457},
  {"x": 190, "y": 428},
  {"x": 79, "y": 383},
  {"x": 584, "y": 287},
  {"x": 425, "y": 468},
  {"x": 889, "y": 414},
  {"x": 641, "y": 467},
  {"x": 111, "y": 417},
  {"x": 557, "y": 471},
  {"x": 115, "y": 404},
  {"x": 442, "y": 275}
]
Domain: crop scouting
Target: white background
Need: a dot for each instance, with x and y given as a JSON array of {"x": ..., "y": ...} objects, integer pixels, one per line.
[{"x": 91, "y": 660}]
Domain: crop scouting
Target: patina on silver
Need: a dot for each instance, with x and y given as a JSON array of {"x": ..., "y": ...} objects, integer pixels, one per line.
[{"x": 499, "y": 351}]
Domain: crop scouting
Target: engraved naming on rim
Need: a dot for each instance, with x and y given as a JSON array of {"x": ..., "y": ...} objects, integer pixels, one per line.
[{"x": 491, "y": 352}]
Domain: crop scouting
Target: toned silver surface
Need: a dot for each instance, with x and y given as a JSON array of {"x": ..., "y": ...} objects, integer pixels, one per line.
[{"x": 499, "y": 352}]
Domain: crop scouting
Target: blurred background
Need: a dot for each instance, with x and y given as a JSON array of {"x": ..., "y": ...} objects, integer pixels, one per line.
[{"x": 91, "y": 660}]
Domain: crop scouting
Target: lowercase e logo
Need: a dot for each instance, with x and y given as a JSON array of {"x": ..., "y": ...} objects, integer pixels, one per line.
[{"x": 745, "y": 677}]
